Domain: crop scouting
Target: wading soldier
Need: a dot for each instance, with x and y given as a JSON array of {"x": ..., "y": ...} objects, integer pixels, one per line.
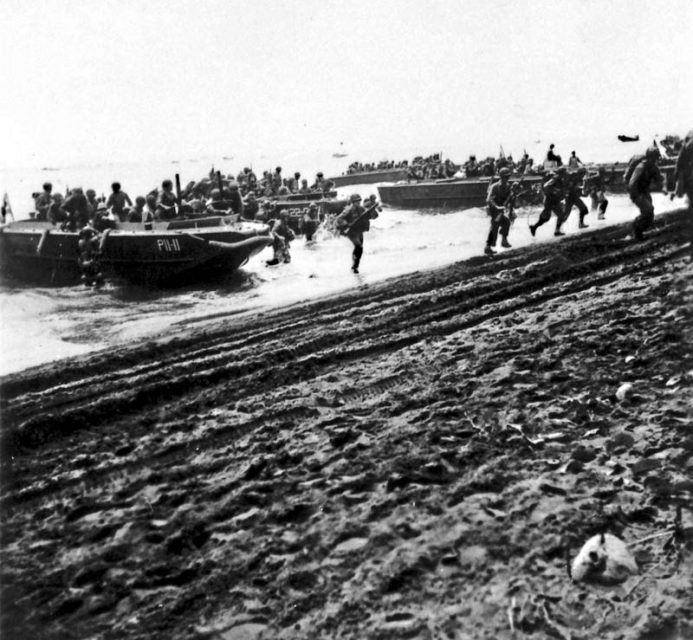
[{"x": 353, "y": 222}]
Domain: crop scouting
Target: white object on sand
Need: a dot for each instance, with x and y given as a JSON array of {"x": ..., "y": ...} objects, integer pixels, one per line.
[
  {"x": 605, "y": 559},
  {"x": 623, "y": 391}
]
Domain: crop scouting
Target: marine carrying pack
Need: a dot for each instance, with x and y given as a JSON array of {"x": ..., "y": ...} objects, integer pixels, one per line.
[{"x": 632, "y": 163}]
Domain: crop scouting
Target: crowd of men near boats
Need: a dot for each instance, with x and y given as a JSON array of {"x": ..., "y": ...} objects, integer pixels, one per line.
[
  {"x": 561, "y": 189},
  {"x": 245, "y": 195}
]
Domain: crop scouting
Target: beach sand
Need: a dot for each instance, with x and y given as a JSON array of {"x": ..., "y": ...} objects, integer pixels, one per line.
[{"x": 411, "y": 459}]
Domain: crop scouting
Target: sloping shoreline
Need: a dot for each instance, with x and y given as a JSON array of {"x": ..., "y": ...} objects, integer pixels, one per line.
[{"x": 409, "y": 459}]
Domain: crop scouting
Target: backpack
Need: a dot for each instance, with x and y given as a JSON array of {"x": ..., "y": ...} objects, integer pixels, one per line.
[{"x": 632, "y": 163}]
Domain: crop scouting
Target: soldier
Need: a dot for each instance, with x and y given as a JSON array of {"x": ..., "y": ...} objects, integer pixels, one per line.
[
  {"x": 43, "y": 202},
  {"x": 644, "y": 175},
  {"x": 553, "y": 196},
  {"x": 166, "y": 202},
  {"x": 311, "y": 220},
  {"x": 574, "y": 188},
  {"x": 683, "y": 178},
  {"x": 119, "y": 202},
  {"x": 353, "y": 222},
  {"x": 594, "y": 187},
  {"x": 136, "y": 214},
  {"x": 217, "y": 205},
  {"x": 251, "y": 206},
  {"x": 77, "y": 209},
  {"x": 499, "y": 196},
  {"x": 283, "y": 235}
]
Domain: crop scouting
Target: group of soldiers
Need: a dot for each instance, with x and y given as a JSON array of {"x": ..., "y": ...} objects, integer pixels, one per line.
[
  {"x": 352, "y": 222},
  {"x": 564, "y": 187},
  {"x": 360, "y": 167}
]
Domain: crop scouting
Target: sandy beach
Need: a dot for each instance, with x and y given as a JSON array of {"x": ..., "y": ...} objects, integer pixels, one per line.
[{"x": 414, "y": 458}]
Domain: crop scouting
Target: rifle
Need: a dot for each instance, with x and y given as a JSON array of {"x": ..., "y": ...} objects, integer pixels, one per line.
[
  {"x": 514, "y": 194},
  {"x": 345, "y": 228}
]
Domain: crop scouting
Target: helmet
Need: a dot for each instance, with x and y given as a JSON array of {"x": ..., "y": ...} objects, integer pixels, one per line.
[
  {"x": 215, "y": 192},
  {"x": 561, "y": 170},
  {"x": 504, "y": 172},
  {"x": 355, "y": 197},
  {"x": 652, "y": 152},
  {"x": 581, "y": 171}
]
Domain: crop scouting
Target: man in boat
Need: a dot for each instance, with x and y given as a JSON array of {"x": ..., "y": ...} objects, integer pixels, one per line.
[
  {"x": 553, "y": 201},
  {"x": 471, "y": 167},
  {"x": 277, "y": 181},
  {"x": 595, "y": 187},
  {"x": 573, "y": 192},
  {"x": 234, "y": 197},
  {"x": 251, "y": 206},
  {"x": 645, "y": 175},
  {"x": 683, "y": 179},
  {"x": 574, "y": 162},
  {"x": 77, "y": 209},
  {"x": 119, "y": 202},
  {"x": 92, "y": 202},
  {"x": 552, "y": 158},
  {"x": 55, "y": 212},
  {"x": 319, "y": 182},
  {"x": 283, "y": 235},
  {"x": 304, "y": 186},
  {"x": 136, "y": 214},
  {"x": 353, "y": 222},
  {"x": 499, "y": 197},
  {"x": 218, "y": 205},
  {"x": 43, "y": 201},
  {"x": 166, "y": 202}
]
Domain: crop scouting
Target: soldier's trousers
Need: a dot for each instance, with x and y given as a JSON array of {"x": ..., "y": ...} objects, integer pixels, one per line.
[
  {"x": 499, "y": 222},
  {"x": 644, "y": 221},
  {"x": 551, "y": 205},
  {"x": 576, "y": 202}
]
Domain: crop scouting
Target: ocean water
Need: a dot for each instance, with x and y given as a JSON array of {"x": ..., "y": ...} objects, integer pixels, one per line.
[{"x": 44, "y": 324}]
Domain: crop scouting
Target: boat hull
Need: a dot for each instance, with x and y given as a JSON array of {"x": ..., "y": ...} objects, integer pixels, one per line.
[
  {"x": 371, "y": 177},
  {"x": 463, "y": 193},
  {"x": 466, "y": 193},
  {"x": 40, "y": 253}
]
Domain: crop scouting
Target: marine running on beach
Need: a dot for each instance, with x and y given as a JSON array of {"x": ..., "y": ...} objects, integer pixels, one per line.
[{"x": 354, "y": 221}]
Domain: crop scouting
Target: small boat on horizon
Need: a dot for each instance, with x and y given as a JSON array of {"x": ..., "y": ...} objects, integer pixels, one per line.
[{"x": 624, "y": 138}]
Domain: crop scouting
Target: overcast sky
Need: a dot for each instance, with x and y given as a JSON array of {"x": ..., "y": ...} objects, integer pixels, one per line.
[{"x": 86, "y": 80}]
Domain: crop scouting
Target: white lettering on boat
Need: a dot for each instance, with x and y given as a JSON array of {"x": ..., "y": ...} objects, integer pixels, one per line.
[{"x": 168, "y": 246}]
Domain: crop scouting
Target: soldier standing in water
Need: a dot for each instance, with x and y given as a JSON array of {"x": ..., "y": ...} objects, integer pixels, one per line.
[{"x": 353, "y": 222}]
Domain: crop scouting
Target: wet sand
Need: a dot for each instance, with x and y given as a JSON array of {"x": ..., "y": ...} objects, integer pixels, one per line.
[{"x": 410, "y": 459}]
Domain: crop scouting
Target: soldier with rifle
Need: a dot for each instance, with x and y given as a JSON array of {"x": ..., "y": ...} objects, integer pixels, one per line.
[
  {"x": 353, "y": 222},
  {"x": 500, "y": 207}
]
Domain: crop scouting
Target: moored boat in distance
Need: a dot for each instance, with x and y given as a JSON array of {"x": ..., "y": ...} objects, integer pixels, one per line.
[
  {"x": 370, "y": 177},
  {"x": 451, "y": 193},
  {"x": 171, "y": 253},
  {"x": 466, "y": 193}
]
